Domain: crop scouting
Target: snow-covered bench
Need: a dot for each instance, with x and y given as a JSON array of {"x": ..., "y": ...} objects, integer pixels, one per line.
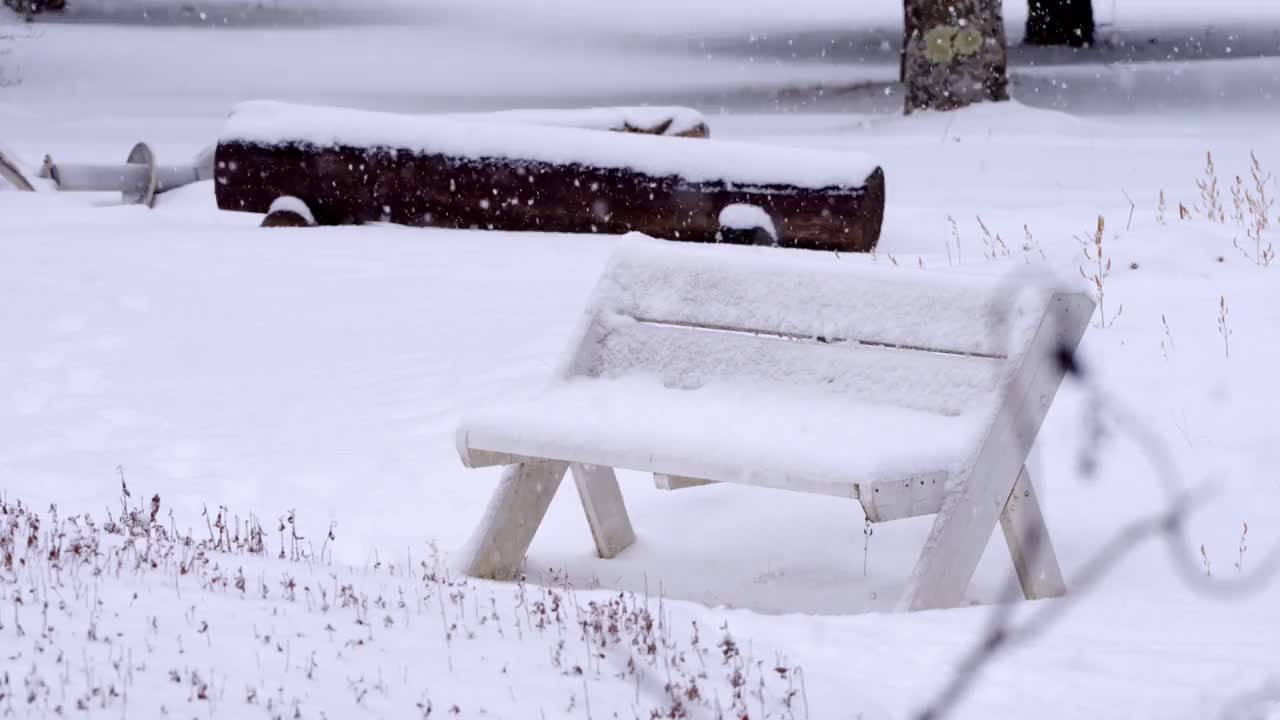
[{"x": 914, "y": 392}]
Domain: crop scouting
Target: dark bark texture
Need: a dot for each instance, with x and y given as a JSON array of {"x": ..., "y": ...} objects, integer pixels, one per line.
[
  {"x": 1060, "y": 22},
  {"x": 345, "y": 185},
  {"x": 954, "y": 54}
]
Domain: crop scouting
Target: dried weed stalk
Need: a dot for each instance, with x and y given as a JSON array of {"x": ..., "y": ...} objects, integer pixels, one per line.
[
  {"x": 1210, "y": 196},
  {"x": 1099, "y": 269}
]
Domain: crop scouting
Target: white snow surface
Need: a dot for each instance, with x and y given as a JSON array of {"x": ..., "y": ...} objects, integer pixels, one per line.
[
  {"x": 324, "y": 371},
  {"x": 268, "y": 122}
]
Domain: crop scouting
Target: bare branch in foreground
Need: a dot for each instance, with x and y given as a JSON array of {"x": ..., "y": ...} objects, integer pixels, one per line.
[{"x": 1169, "y": 524}]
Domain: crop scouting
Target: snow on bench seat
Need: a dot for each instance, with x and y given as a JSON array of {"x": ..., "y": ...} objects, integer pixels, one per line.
[{"x": 727, "y": 432}]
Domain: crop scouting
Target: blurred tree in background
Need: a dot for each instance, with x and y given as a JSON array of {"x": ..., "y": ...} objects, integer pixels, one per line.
[
  {"x": 34, "y": 7},
  {"x": 1060, "y": 22}
]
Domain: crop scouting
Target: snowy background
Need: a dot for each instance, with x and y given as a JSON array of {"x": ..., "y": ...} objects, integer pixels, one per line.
[{"x": 323, "y": 371}]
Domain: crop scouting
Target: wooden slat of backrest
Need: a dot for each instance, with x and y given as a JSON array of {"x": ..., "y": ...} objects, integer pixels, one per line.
[
  {"x": 687, "y": 357},
  {"x": 813, "y": 295}
]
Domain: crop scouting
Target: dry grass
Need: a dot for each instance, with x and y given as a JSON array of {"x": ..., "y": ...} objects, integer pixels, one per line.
[
  {"x": 1224, "y": 325},
  {"x": 1252, "y": 207},
  {"x": 68, "y": 579},
  {"x": 1210, "y": 197},
  {"x": 1099, "y": 270},
  {"x": 994, "y": 244}
]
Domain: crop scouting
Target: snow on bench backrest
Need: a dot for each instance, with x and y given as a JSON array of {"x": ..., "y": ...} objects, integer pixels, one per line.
[{"x": 694, "y": 315}]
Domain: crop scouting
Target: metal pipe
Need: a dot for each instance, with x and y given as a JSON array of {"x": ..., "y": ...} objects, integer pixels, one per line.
[
  {"x": 120, "y": 178},
  {"x": 138, "y": 180}
]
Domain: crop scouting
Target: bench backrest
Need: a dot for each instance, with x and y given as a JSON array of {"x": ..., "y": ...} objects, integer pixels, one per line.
[{"x": 693, "y": 315}]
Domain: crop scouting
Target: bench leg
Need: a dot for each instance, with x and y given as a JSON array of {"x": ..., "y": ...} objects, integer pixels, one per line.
[
  {"x": 1029, "y": 544},
  {"x": 606, "y": 513},
  {"x": 513, "y": 516},
  {"x": 960, "y": 533}
]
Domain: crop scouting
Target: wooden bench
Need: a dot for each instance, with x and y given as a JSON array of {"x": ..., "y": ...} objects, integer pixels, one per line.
[{"x": 911, "y": 391}]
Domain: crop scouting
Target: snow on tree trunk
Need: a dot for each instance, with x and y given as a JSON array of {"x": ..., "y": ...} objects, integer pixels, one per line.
[
  {"x": 953, "y": 54},
  {"x": 1060, "y": 22}
]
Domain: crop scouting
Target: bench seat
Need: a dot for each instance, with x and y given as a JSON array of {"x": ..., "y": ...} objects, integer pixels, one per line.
[{"x": 791, "y": 441}]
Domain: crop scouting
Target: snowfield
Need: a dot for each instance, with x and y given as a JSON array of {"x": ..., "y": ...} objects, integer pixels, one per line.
[{"x": 311, "y": 380}]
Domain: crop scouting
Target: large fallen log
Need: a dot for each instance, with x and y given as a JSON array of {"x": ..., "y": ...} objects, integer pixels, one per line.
[{"x": 350, "y": 166}]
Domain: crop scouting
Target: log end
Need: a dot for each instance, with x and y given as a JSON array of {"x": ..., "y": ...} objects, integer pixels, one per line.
[{"x": 872, "y": 214}]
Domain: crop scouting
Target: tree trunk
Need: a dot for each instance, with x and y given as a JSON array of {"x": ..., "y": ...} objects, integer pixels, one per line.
[
  {"x": 28, "y": 8},
  {"x": 1060, "y": 22},
  {"x": 953, "y": 54}
]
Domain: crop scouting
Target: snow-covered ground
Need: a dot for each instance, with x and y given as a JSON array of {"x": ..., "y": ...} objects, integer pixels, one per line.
[{"x": 322, "y": 371}]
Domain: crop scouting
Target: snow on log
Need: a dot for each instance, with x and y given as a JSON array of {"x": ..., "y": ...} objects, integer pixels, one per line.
[
  {"x": 672, "y": 121},
  {"x": 351, "y": 166}
]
